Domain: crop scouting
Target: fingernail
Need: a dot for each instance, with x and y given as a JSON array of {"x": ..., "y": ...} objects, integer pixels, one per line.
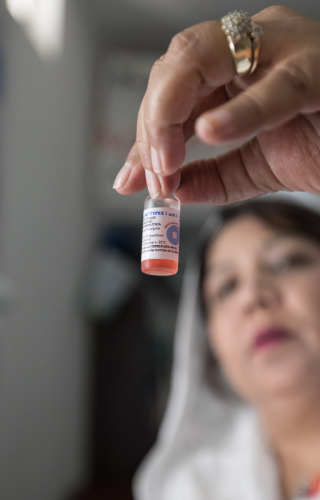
[
  {"x": 218, "y": 120},
  {"x": 156, "y": 161},
  {"x": 153, "y": 184},
  {"x": 122, "y": 176}
]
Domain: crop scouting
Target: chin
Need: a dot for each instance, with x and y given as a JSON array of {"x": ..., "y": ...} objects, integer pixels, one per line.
[{"x": 283, "y": 375}]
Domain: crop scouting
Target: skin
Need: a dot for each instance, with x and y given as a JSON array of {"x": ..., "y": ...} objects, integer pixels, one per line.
[
  {"x": 193, "y": 89},
  {"x": 273, "y": 279}
]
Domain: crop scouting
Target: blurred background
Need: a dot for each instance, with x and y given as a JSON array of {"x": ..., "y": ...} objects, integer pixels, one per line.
[{"x": 86, "y": 339}]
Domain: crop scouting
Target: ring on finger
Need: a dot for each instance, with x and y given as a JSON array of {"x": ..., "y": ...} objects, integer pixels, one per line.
[{"x": 243, "y": 36}]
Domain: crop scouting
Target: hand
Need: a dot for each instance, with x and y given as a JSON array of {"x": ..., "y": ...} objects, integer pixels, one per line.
[{"x": 193, "y": 89}]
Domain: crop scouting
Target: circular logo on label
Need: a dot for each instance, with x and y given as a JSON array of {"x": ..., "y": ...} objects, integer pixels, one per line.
[{"x": 173, "y": 235}]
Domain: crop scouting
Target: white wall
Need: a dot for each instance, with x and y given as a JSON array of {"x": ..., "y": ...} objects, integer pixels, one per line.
[{"x": 46, "y": 229}]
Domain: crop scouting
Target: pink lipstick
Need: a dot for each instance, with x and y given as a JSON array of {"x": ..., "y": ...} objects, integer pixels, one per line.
[{"x": 269, "y": 337}]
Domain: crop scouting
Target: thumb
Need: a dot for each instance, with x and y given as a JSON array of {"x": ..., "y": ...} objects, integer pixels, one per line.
[{"x": 239, "y": 175}]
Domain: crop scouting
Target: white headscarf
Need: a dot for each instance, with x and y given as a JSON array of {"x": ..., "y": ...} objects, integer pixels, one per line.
[{"x": 208, "y": 447}]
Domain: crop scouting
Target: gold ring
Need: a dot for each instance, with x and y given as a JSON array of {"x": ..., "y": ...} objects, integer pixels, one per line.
[
  {"x": 255, "y": 53},
  {"x": 243, "y": 37}
]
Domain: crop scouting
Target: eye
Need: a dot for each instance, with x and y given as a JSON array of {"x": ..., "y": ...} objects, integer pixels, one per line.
[
  {"x": 294, "y": 261},
  {"x": 226, "y": 289}
]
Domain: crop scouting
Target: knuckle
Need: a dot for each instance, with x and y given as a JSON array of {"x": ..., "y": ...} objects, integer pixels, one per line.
[
  {"x": 274, "y": 11},
  {"x": 184, "y": 42},
  {"x": 157, "y": 63},
  {"x": 142, "y": 147},
  {"x": 252, "y": 104},
  {"x": 206, "y": 183},
  {"x": 151, "y": 122},
  {"x": 296, "y": 77},
  {"x": 156, "y": 66},
  {"x": 278, "y": 9}
]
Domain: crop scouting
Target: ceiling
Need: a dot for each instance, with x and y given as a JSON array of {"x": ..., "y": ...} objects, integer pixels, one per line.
[{"x": 152, "y": 23}]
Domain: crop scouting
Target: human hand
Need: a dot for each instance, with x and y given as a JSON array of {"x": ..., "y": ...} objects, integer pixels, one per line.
[{"x": 193, "y": 89}]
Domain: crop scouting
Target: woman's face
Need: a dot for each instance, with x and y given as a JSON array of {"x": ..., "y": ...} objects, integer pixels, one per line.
[{"x": 262, "y": 292}]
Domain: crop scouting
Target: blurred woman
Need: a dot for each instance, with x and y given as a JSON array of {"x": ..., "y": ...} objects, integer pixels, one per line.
[{"x": 243, "y": 420}]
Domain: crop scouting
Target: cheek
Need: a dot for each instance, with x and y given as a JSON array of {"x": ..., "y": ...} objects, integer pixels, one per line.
[
  {"x": 224, "y": 340},
  {"x": 219, "y": 336},
  {"x": 303, "y": 300}
]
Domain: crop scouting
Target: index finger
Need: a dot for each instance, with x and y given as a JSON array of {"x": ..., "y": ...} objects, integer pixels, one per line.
[{"x": 197, "y": 62}]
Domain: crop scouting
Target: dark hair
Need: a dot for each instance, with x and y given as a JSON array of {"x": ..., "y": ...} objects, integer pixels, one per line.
[{"x": 279, "y": 215}]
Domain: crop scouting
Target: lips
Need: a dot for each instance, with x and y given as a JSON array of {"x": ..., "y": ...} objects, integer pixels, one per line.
[{"x": 269, "y": 337}]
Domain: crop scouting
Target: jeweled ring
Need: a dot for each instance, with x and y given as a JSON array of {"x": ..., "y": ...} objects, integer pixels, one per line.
[{"x": 243, "y": 36}]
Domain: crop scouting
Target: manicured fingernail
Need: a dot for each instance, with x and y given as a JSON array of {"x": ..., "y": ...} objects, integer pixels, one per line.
[
  {"x": 153, "y": 184},
  {"x": 122, "y": 176},
  {"x": 218, "y": 120},
  {"x": 156, "y": 161}
]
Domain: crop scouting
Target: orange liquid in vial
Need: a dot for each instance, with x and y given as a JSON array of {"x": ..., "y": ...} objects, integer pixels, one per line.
[{"x": 159, "y": 267}]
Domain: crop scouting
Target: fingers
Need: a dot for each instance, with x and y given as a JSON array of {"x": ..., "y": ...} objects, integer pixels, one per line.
[
  {"x": 202, "y": 105},
  {"x": 180, "y": 89},
  {"x": 188, "y": 82},
  {"x": 289, "y": 89},
  {"x": 198, "y": 61},
  {"x": 160, "y": 186},
  {"x": 268, "y": 163},
  {"x": 238, "y": 175},
  {"x": 133, "y": 178}
]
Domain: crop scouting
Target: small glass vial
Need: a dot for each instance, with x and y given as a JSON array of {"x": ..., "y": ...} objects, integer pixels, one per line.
[{"x": 160, "y": 236}]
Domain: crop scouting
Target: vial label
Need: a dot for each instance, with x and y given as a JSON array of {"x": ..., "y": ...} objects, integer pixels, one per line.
[{"x": 160, "y": 233}]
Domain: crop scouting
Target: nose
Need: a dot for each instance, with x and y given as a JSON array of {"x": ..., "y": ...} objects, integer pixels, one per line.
[{"x": 260, "y": 293}]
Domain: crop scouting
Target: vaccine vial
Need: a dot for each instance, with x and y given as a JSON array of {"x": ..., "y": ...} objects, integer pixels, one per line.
[{"x": 160, "y": 236}]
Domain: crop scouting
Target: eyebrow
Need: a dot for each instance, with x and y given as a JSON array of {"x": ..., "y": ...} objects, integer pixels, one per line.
[
  {"x": 221, "y": 267},
  {"x": 280, "y": 236},
  {"x": 217, "y": 268}
]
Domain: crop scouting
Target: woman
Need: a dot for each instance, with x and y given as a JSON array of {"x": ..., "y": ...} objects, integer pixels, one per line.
[{"x": 244, "y": 422}]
